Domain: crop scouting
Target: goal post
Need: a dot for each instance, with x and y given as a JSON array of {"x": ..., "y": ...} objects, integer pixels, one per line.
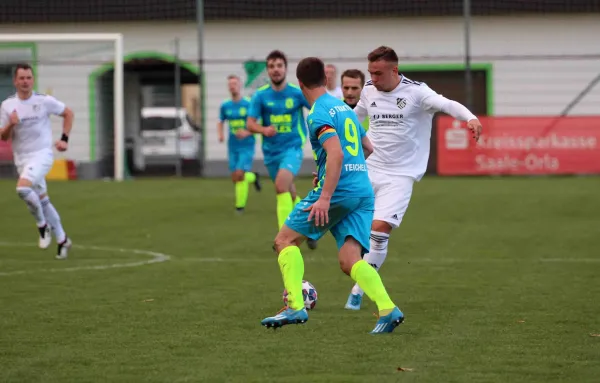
[{"x": 63, "y": 60}]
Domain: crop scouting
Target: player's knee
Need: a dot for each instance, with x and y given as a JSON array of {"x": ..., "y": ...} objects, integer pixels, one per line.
[
  {"x": 350, "y": 253},
  {"x": 346, "y": 265},
  {"x": 24, "y": 182},
  {"x": 281, "y": 186},
  {"x": 280, "y": 243},
  {"x": 381, "y": 226},
  {"x": 237, "y": 176},
  {"x": 24, "y": 191},
  {"x": 284, "y": 181}
]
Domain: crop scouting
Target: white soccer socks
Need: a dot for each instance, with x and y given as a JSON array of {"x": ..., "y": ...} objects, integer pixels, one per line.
[
  {"x": 377, "y": 255},
  {"x": 53, "y": 219},
  {"x": 30, "y": 197}
]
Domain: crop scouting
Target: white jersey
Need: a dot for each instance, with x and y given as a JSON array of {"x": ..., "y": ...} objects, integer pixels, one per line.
[
  {"x": 400, "y": 125},
  {"x": 34, "y": 131}
]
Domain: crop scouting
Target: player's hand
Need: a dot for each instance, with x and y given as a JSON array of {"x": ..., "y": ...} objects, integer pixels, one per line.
[
  {"x": 14, "y": 118},
  {"x": 242, "y": 133},
  {"x": 269, "y": 131},
  {"x": 221, "y": 138},
  {"x": 61, "y": 146},
  {"x": 475, "y": 128},
  {"x": 320, "y": 211},
  {"x": 315, "y": 179}
]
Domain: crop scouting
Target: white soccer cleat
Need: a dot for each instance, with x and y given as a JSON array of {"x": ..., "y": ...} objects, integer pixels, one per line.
[
  {"x": 63, "y": 249},
  {"x": 45, "y": 237}
]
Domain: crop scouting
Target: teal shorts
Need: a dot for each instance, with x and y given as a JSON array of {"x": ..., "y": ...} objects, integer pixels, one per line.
[
  {"x": 240, "y": 159},
  {"x": 290, "y": 160},
  {"x": 348, "y": 217}
]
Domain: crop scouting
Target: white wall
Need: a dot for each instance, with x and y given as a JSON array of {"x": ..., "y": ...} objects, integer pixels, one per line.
[{"x": 521, "y": 87}]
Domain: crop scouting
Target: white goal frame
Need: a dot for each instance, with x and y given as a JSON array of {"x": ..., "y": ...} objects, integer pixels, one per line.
[{"x": 118, "y": 89}]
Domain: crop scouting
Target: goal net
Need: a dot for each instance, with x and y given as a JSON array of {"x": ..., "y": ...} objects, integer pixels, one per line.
[{"x": 85, "y": 71}]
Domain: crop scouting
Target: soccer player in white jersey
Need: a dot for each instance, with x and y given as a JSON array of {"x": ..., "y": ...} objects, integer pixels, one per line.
[
  {"x": 400, "y": 114},
  {"x": 331, "y": 86},
  {"x": 25, "y": 119}
]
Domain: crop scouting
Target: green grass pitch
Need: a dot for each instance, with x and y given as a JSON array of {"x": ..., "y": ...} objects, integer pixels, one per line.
[{"x": 498, "y": 278}]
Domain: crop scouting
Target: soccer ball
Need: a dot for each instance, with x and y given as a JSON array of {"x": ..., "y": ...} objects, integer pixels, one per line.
[{"x": 309, "y": 294}]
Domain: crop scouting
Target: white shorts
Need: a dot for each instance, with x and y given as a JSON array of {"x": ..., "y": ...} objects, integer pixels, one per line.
[
  {"x": 34, "y": 168},
  {"x": 392, "y": 195}
]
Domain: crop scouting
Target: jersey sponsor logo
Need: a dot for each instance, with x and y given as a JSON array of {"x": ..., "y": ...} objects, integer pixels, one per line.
[
  {"x": 390, "y": 116},
  {"x": 401, "y": 102},
  {"x": 236, "y": 125},
  {"x": 282, "y": 122}
]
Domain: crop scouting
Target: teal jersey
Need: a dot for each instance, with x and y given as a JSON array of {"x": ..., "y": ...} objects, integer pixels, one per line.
[
  {"x": 365, "y": 123},
  {"x": 235, "y": 114},
  {"x": 283, "y": 110},
  {"x": 331, "y": 117}
]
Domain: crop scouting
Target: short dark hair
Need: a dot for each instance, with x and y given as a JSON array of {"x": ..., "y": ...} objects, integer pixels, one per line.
[
  {"x": 277, "y": 54},
  {"x": 383, "y": 53},
  {"x": 24, "y": 66},
  {"x": 233, "y": 76},
  {"x": 311, "y": 72},
  {"x": 354, "y": 73}
]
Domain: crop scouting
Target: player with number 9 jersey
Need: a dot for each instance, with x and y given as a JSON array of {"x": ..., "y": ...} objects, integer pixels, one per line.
[
  {"x": 342, "y": 203},
  {"x": 330, "y": 117},
  {"x": 352, "y": 202}
]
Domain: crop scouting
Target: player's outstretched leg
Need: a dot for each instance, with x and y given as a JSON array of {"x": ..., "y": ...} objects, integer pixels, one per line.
[
  {"x": 285, "y": 203},
  {"x": 64, "y": 243},
  {"x": 241, "y": 190},
  {"x": 369, "y": 280},
  {"x": 376, "y": 257},
  {"x": 311, "y": 243},
  {"x": 32, "y": 200},
  {"x": 291, "y": 265}
]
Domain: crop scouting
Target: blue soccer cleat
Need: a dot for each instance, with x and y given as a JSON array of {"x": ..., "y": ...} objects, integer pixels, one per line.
[
  {"x": 354, "y": 301},
  {"x": 284, "y": 317},
  {"x": 389, "y": 322}
]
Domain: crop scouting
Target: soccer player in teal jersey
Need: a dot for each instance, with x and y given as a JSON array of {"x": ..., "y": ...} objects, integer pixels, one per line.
[
  {"x": 342, "y": 203},
  {"x": 240, "y": 142},
  {"x": 280, "y": 106}
]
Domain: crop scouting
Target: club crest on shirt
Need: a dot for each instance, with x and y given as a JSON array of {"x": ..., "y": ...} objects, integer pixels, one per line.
[
  {"x": 401, "y": 102},
  {"x": 36, "y": 107}
]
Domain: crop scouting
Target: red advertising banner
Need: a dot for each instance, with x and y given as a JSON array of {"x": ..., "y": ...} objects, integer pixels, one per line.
[{"x": 520, "y": 145}]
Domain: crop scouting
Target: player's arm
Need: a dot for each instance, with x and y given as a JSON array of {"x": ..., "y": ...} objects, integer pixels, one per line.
[
  {"x": 366, "y": 144},
  {"x": 254, "y": 114},
  {"x": 367, "y": 147},
  {"x": 335, "y": 157},
  {"x": 220, "y": 128},
  {"x": 432, "y": 101},
  {"x": 58, "y": 108},
  {"x": 7, "y": 123}
]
